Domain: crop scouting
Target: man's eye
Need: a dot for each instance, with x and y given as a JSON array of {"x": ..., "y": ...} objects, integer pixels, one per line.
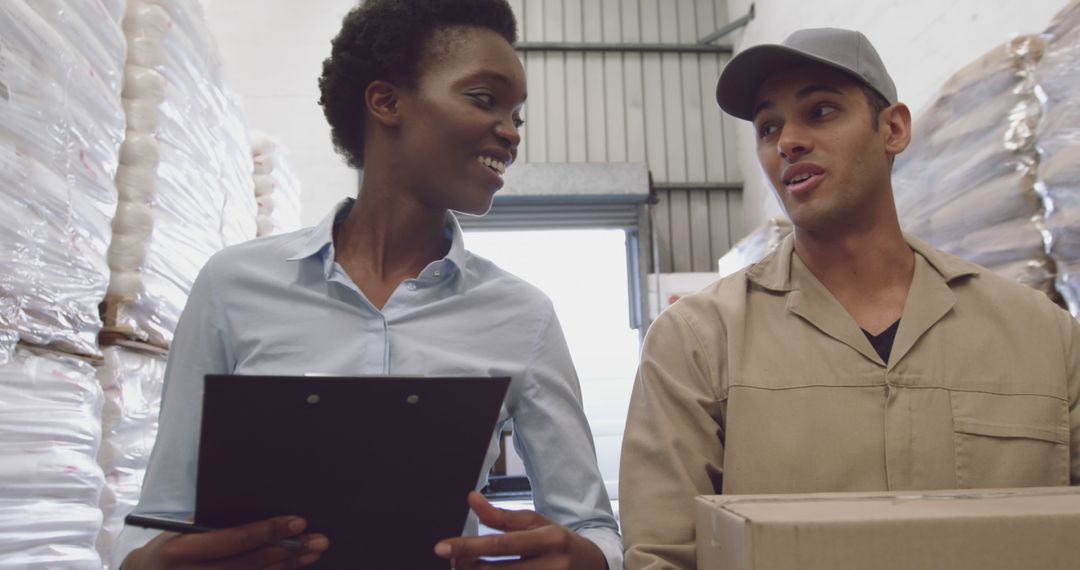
[
  {"x": 823, "y": 110},
  {"x": 766, "y": 130}
]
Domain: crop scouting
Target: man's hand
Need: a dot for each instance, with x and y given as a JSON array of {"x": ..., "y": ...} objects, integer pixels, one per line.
[
  {"x": 247, "y": 546},
  {"x": 539, "y": 542}
]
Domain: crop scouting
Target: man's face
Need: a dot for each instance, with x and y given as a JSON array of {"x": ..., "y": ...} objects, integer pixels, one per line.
[{"x": 817, "y": 145}]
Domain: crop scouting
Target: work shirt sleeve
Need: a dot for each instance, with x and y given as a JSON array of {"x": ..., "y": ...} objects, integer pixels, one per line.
[
  {"x": 553, "y": 438},
  {"x": 1072, "y": 352},
  {"x": 673, "y": 444},
  {"x": 199, "y": 348}
]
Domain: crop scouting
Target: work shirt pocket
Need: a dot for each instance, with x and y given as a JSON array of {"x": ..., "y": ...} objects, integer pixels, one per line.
[{"x": 1010, "y": 440}]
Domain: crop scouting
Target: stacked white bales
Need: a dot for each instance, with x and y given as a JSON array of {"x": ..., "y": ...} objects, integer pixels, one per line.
[
  {"x": 277, "y": 190},
  {"x": 1058, "y": 140},
  {"x": 50, "y": 432},
  {"x": 132, "y": 383},
  {"x": 185, "y": 175},
  {"x": 61, "y": 124},
  {"x": 967, "y": 182}
]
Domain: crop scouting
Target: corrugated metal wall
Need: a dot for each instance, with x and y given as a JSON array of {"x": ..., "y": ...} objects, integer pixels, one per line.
[
  {"x": 638, "y": 107},
  {"x": 695, "y": 227}
]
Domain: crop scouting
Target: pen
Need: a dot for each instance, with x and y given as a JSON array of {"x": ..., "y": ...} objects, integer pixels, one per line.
[{"x": 173, "y": 525}]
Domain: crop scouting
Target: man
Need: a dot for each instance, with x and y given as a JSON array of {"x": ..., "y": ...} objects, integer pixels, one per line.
[{"x": 854, "y": 357}]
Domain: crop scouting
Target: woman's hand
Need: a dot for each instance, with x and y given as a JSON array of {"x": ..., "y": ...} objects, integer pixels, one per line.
[
  {"x": 248, "y": 546},
  {"x": 539, "y": 542}
]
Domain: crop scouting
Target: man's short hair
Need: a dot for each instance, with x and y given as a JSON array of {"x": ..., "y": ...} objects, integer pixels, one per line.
[{"x": 876, "y": 102}]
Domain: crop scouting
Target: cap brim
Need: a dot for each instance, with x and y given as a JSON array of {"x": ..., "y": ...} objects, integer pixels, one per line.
[{"x": 743, "y": 75}]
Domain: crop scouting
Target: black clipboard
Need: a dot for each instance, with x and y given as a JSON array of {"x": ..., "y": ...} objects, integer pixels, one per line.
[{"x": 381, "y": 465}]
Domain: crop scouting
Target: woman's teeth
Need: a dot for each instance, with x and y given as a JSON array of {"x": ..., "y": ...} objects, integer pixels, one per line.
[{"x": 492, "y": 163}]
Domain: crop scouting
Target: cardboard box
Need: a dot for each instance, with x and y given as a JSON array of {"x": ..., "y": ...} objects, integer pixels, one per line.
[{"x": 1000, "y": 529}]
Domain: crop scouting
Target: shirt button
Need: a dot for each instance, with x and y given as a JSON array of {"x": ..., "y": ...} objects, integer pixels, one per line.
[
  {"x": 411, "y": 286},
  {"x": 438, "y": 273}
]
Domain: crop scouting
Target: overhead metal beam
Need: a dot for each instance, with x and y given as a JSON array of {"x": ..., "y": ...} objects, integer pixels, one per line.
[
  {"x": 697, "y": 185},
  {"x": 621, "y": 47},
  {"x": 728, "y": 28}
]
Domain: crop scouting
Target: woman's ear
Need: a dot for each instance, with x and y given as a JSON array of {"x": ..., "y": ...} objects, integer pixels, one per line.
[{"x": 383, "y": 101}]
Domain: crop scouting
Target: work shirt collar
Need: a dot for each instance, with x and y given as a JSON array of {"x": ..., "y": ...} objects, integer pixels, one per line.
[{"x": 929, "y": 299}]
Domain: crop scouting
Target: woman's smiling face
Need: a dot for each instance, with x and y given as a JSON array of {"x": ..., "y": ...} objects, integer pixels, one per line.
[{"x": 459, "y": 125}]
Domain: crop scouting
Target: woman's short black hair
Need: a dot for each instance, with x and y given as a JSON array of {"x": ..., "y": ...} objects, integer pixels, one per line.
[{"x": 385, "y": 39}]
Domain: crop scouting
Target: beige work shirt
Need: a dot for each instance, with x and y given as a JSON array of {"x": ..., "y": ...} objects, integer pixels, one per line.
[{"x": 763, "y": 383}]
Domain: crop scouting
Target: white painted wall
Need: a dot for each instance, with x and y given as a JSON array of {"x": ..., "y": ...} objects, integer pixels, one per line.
[
  {"x": 922, "y": 42},
  {"x": 273, "y": 52}
]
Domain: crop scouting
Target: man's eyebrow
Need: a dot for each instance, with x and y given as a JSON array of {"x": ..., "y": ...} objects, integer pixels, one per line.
[
  {"x": 815, "y": 88},
  {"x": 799, "y": 95},
  {"x": 766, "y": 104}
]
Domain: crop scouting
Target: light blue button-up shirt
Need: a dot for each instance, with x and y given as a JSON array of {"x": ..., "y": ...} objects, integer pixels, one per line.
[{"x": 282, "y": 305}]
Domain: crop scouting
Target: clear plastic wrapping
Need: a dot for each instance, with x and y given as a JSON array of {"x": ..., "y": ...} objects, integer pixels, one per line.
[
  {"x": 184, "y": 180},
  {"x": 277, "y": 190},
  {"x": 967, "y": 182},
  {"x": 50, "y": 433},
  {"x": 61, "y": 124},
  {"x": 755, "y": 246},
  {"x": 1058, "y": 140},
  {"x": 132, "y": 382}
]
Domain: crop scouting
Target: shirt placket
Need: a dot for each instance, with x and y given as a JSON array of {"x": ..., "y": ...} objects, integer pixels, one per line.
[{"x": 377, "y": 348}]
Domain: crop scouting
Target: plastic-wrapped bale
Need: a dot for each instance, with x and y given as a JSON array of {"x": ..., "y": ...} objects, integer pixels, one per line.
[
  {"x": 277, "y": 190},
  {"x": 192, "y": 54},
  {"x": 50, "y": 431},
  {"x": 61, "y": 124},
  {"x": 96, "y": 31},
  {"x": 240, "y": 199},
  {"x": 755, "y": 246},
  {"x": 1058, "y": 139},
  {"x": 115, "y": 8},
  {"x": 132, "y": 382},
  {"x": 181, "y": 195},
  {"x": 967, "y": 182}
]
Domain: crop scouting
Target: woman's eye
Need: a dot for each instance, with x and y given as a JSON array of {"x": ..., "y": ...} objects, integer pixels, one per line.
[
  {"x": 485, "y": 99},
  {"x": 519, "y": 122}
]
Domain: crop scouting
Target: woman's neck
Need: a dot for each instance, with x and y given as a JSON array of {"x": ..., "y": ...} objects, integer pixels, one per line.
[{"x": 386, "y": 238}]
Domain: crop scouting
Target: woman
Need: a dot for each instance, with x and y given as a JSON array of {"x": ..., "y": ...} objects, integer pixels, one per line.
[{"x": 426, "y": 97}]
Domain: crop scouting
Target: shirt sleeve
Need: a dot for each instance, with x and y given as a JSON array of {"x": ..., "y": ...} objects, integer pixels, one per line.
[
  {"x": 672, "y": 446},
  {"x": 1072, "y": 348},
  {"x": 198, "y": 348},
  {"x": 553, "y": 438}
]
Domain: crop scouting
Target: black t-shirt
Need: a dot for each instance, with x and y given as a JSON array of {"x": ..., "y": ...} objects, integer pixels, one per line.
[{"x": 883, "y": 342}]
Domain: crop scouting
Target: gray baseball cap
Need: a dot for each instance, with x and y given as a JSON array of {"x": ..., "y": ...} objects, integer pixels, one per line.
[{"x": 846, "y": 50}]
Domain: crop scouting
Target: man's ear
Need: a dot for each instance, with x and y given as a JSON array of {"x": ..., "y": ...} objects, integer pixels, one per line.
[
  {"x": 896, "y": 127},
  {"x": 383, "y": 101}
]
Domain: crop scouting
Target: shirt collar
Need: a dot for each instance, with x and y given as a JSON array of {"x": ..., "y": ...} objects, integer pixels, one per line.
[
  {"x": 318, "y": 240},
  {"x": 774, "y": 271}
]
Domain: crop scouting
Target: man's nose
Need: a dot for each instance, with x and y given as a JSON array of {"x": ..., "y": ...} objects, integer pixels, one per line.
[{"x": 793, "y": 142}]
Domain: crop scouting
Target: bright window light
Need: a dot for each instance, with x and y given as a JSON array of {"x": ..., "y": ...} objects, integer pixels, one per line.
[{"x": 584, "y": 274}]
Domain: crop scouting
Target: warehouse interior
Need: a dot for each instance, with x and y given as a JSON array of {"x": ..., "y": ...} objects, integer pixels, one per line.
[{"x": 140, "y": 137}]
